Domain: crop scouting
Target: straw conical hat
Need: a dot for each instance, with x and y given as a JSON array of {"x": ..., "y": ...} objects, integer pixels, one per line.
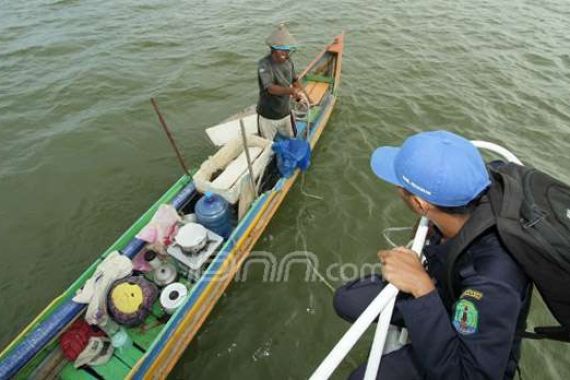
[{"x": 281, "y": 37}]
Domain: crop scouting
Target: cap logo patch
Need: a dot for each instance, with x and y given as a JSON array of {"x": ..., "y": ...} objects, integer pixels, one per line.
[
  {"x": 415, "y": 185},
  {"x": 466, "y": 318}
]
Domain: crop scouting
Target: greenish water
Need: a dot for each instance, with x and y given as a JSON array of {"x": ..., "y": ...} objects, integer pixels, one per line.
[{"x": 82, "y": 155}]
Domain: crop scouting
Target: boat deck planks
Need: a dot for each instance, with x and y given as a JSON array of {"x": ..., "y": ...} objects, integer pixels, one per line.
[
  {"x": 130, "y": 356},
  {"x": 144, "y": 335},
  {"x": 113, "y": 369},
  {"x": 316, "y": 91},
  {"x": 69, "y": 372}
]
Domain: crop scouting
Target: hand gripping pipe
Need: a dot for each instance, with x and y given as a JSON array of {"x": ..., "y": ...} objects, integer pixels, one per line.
[
  {"x": 386, "y": 297},
  {"x": 386, "y": 315}
]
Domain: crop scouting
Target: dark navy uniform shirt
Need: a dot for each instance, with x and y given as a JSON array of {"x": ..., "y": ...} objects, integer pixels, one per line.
[
  {"x": 473, "y": 337},
  {"x": 269, "y": 72}
]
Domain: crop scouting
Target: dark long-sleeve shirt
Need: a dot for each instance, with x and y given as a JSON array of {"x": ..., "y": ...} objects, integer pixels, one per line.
[{"x": 475, "y": 336}]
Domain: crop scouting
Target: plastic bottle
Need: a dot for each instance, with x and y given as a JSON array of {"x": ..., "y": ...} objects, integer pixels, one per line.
[
  {"x": 119, "y": 337},
  {"x": 121, "y": 340},
  {"x": 214, "y": 213}
]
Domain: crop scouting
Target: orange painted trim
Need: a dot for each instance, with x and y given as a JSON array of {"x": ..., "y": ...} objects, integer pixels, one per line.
[{"x": 337, "y": 44}]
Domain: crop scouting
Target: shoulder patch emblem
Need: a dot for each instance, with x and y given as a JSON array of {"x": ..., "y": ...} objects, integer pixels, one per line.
[
  {"x": 466, "y": 317},
  {"x": 475, "y": 294}
]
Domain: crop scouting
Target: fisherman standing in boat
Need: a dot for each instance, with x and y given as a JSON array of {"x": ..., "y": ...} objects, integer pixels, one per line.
[
  {"x": 278, "y": 82},
  {"x": 475, "y": 335}
]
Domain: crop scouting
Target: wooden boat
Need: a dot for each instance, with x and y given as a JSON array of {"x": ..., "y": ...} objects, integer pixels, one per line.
[{"x": 159, "y": 342}]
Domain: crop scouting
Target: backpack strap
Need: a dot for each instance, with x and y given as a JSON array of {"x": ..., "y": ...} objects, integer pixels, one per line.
[
  {"x": 506, "y": 186},
  {"x": 480, "y": 221},
  {"x": 559, "y": 333}
]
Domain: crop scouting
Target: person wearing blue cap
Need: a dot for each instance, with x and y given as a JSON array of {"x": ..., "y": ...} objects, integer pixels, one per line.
[
  {"x": 278, "y": 82},
  {"x": 474, "y": 335}
]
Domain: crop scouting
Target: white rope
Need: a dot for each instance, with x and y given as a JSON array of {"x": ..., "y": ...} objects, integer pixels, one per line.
[
  {"x": 305, "y": 193},
  {"x": 388, "y": 231}
]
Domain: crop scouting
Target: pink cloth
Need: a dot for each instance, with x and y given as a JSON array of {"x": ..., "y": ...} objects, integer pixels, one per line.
[
  {"x": 140, "y": 264},
  {"x": 161, "y": 229}
]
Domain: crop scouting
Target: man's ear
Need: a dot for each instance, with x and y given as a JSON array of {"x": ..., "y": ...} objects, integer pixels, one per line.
[{"x": 420, "y": 206}]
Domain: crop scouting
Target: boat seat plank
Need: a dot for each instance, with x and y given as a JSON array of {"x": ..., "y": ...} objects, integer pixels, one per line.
[
  {"x": 69, "y": 372},
  {"x": 318, "y": 78},
  {"x": 316, "y": 91},
  {"x": 130, "y": 356},
  {"x": 143, "y": 335},
  {"x": 113, "y": 369}
]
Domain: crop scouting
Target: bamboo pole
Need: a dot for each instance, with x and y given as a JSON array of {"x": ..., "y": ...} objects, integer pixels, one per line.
[{"x": 248, "y": 158}]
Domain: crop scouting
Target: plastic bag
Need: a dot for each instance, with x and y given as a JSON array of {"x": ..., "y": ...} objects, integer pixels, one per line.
[{"x": 292, "y": 154}]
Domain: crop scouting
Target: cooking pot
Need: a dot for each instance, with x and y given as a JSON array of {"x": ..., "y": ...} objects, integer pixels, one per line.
[{"x": 192, "y": 237}]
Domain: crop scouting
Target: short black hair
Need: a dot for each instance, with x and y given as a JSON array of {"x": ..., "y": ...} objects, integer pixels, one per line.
[
  {"x": 461, "y": 210},
  {"x": 458, "y": 210}
]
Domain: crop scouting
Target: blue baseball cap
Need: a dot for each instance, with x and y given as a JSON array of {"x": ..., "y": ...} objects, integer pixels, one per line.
[{"x": 440, "y": 167}]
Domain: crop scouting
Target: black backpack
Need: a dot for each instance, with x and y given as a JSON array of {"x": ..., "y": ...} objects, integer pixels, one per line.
[{"x": 531, "y": 212}]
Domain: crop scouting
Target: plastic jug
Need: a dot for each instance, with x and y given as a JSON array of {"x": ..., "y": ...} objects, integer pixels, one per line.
[{"x": 214, "y": 213}]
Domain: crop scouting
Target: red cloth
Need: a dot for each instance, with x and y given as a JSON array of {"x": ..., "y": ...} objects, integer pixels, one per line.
[{"x": 74, "y": 340}]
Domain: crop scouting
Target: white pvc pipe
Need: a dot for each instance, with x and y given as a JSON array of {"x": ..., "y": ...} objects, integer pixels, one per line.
[
  {"x": 386, "y": 315},
  {"x": 379, "y": 341},
  {"x": 505, "y": 153},
  {"x": 349, "y": 339}
]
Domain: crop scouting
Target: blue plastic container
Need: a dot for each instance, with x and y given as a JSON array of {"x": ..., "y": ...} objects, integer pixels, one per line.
[{"x": 214, "y": 213}]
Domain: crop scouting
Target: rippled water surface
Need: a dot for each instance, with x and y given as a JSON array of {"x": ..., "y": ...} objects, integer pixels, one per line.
[{"x": 82, "y": 156}]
